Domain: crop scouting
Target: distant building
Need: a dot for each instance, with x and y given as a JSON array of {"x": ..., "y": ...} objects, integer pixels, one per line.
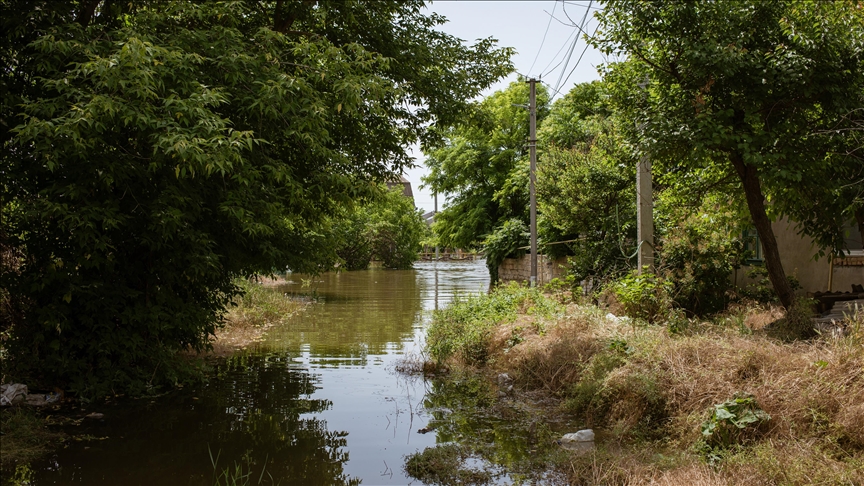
[
  {"x": 429, "y": 218},
  {"x": 406, "y": 187},
  {"x": 797, "y": 256}
]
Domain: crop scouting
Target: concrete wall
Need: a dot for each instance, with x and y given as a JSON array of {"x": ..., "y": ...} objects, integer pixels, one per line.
[
  {"x": 519, "y": 269},
  {"x": 796, "y": 253}
]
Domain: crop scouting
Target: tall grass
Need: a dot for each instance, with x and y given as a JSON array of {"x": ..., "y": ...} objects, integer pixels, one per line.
[
  {"x": 649, "y": 391},
  {"x": 463, "y": 329},
  {"x": 259, "y": 305}
]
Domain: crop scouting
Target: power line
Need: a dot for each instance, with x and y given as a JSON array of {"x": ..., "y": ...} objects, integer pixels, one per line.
[
  {"x": 581, "y": 28},
  {"x": 551, "y": 16},
  {"x": 556, "y": 56},
  {"x": 580, "y": 59}
]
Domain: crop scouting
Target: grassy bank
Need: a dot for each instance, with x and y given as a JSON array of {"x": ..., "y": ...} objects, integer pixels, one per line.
[
  {"x": 256, "y": 310},
  {"x": 25, "y": 438},
  {"x": 714, "y": 402}
]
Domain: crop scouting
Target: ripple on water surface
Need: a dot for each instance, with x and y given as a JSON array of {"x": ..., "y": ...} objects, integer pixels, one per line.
[{"x": 317, "y": 402}]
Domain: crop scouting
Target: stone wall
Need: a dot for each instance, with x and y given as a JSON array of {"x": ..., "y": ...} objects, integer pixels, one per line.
[{"x": 519, "y": 269}]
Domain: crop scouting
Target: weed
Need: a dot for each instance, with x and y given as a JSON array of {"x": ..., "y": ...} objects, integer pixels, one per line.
[
  {"x": 240, "y": 474},
  {"x": 732, "y": 422},
  {"x": 445, "y": 465},
  {"x": 643, "y": 296},
  {"x": 464, "y": 328},
  {"x": 25, "y": 439}
]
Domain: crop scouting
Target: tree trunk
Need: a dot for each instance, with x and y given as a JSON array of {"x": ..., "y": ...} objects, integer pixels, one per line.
[{"x": 749, "y": 176}]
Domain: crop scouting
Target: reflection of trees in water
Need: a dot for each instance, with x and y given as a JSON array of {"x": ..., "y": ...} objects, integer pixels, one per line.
[
  {"x": 466, "y": 410},
  {"x": 363, "y": 312},
  {"x": 254, "y": 406}
]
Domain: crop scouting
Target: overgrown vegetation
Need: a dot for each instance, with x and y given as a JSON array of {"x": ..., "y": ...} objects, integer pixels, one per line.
[
  {"x": 463, "y": 330},
  {"x": 720, "y": 402},
  {"x": 388, "y": 228},
  {"x": 25, "y": 438},
  {"x": 154, "y": 151}
]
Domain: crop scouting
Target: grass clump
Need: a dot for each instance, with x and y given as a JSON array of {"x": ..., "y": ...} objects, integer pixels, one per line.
[
  {"x": 445, "y": 465},
  {"x": 260, "y": 305},
  {"x": 463, "y": 329},
  {"x": 25, "y": 439}
]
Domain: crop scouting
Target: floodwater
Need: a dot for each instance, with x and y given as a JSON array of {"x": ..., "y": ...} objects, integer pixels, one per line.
[{"x": 316, "y": 403}]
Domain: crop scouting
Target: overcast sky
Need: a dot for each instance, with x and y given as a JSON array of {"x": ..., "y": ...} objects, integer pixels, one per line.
[{"x": 539, "y": 53}]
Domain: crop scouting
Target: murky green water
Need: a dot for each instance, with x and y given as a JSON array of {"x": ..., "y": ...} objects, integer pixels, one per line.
[{"x": 317, "y": 402}]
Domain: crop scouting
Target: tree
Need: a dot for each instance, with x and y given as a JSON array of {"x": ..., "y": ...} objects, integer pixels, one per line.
[
  {"x": 388, "y": 228},
  {"x": 156, "y": 150},
  {"x": 586, "y": 184},
  {"x": 482, "y": 167},
  {"x": 765, "y": 92}
]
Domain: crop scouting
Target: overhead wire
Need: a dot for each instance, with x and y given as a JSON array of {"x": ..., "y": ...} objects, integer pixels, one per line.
[
  {"x": 573, "y": 47},
  {"x": 551, "y": 16}
]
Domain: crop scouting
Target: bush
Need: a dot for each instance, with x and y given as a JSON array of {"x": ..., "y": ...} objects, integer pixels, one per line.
[
  {"x": 644, "y": 296},
  {"x": 699, "y": 255},
  {"x": 733, "y": 422},
  {"x": 504, "y": 242},
  {"x": 463, "y": 328}
]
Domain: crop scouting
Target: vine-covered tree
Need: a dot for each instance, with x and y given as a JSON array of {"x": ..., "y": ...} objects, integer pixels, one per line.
[
  {"x": 765, "y": 92},
  {"x": 155, "y": 150}
]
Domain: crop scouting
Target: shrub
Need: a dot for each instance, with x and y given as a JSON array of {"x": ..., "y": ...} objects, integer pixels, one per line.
[
  {"x": 504, "y": 242},
  {"x": 731, "y": 423},
  {"x": 644, "y": 296},
  {"x": 463, "y": 328}
]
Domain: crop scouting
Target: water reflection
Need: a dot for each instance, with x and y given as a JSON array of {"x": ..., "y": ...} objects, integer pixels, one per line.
[{"x": 315, "y": 403}]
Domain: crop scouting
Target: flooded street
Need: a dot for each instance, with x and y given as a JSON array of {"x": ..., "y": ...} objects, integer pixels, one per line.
[{"x": 317, "y": 402}]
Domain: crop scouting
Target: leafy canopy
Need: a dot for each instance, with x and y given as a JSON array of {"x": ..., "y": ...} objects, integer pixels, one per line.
[
  {"x": 482, "y": 166},
  {"x": 156, "y": 150},
  {"x": 770, "y": 93}
]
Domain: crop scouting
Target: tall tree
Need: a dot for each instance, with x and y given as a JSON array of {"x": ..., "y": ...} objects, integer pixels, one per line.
[
  {"x": 765, "y": 91},
  {"x": 585, "y": 184},
  {"x": 155, "y": 150},
  {"x": 482, "y": 166}
]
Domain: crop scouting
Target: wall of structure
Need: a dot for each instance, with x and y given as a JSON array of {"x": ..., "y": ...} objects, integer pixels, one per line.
[
  {"x": 519, "y": 269},
  {"x": 796, "y": 253}
]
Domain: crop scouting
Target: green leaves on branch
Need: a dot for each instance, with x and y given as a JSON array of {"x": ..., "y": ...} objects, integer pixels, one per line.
[{"x": 154, "y": 151}]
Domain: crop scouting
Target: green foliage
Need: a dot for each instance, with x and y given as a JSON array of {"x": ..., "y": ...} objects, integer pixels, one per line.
[
  {"x": 732, "y": 422},
  {"x": 645, "y": 296},
  {"x": 585, "y": 185},
  {"x": 766, "y": 93},
  {"x": 258, "y": 305},
  {"x": 482, "y": 167},
  {"x": 699, "y": 251},
  {"x": 25, "y": 439},
  {"x": 444, "y": 465},
  {"x": 154, "y": 151},
  {"x": 463, "y": 329},
  {"x": 504, "y": 242},
  {"x": 387, "y": 228}
]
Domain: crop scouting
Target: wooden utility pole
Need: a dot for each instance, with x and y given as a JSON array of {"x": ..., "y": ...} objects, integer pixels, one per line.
[{"x": 532, "y": 147}]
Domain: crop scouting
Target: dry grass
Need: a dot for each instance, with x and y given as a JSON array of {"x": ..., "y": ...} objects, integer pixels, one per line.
[{"x": 649, "y": 390}]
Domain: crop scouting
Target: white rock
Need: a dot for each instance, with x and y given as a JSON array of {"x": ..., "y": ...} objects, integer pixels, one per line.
[
  {"x": 585, "y": 435},
  {"x": 504, "y": 380}
]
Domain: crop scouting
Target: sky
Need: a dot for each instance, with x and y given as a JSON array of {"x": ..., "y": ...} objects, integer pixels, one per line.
[{"x": 542, "y": 35}]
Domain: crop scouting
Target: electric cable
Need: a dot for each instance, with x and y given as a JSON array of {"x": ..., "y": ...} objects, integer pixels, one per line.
[
  {"x": 581, "y": 28},
  {"x": 551, "y": 16}
]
